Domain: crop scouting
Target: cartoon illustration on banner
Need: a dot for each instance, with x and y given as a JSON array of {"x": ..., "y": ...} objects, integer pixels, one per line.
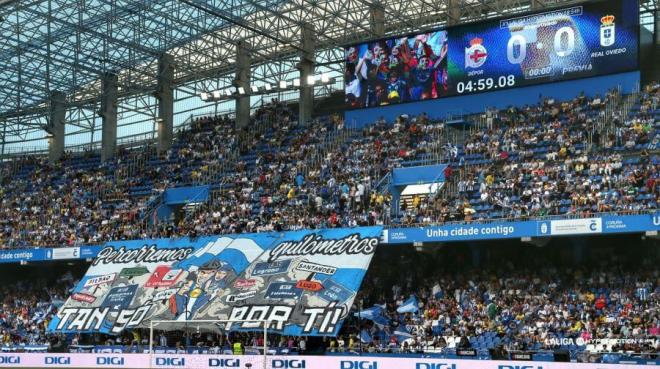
[{"x": 303, "y": 282}]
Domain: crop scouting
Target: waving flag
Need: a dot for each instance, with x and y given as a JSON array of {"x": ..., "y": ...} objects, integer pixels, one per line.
[
  {"x": 410, "y": 306},
  {"x": 375, "y": 314}
]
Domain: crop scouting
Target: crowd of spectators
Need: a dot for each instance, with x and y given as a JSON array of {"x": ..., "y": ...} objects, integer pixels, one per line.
[
  {"x": 541, "y": 160},
  {"x": 517, "y": 303},
  {"x": 26, "y": 307},
  {"x": 548, "y": 159},
  {"x": 519, "y": 299}
]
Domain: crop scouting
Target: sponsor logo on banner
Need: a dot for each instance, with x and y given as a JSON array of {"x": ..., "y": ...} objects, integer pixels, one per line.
[
  {"x": 576, "y": 226},
  {"x": 133, "y": 272},
  {"x": 164, "y": 295},
  {"x": 10, "y": 359},
  {"x": 109, "y": 360},
  {"x": 435, "y": 366},
  {"x": 398, "y": 235},
  {"x": 358, "y": 364},
  {"x": 335, "y": 292},
  {"x": 241, "y": 296},
  {"x": 607, "y": 31},
  {"x": 83, "y": 297},
  {"x": 309, "y": 285},
  {"x": 163, "y": 276},
  {"x": 476, "y": 54},
  {"x": 519, "y": 367},
  {"x": 57, "y": 360},
  {"x": 120, "y": 298},
  {"x": 245, "y": 284},
  {"x": 66, "y": 253},
  {"x": 282, "y": 290},
  {"x": 170, "y": 361},
  {"x": 224, "y": 363},
  {"x": 108, "y": 278},
  {"x": 88, "y": 251},
  {"x": 306, "y": 266},
  {"x": 287, "y": 364},
  {"x": 265, "y": 269}
]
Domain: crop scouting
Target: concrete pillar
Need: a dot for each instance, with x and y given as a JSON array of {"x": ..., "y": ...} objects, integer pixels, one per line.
[
  {"x": 454, "y": 12},
  {"x": 656, "y": 30},
  {"x": 377, "y": 20},
  {"x": 56, "y": 125},
  {"x": 306, "y": 67},
  {"x": 243, "y": 65},
  {"x": 108, "y": 115},
  {"x": 165, "y": 96}
]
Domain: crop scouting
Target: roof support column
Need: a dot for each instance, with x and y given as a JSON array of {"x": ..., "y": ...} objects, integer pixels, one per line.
[
  {"x": 108, "y": 115},
  {"x": 306, "y": 67},
  {"x": 454, "y": 12},
  {"x": 56, "y": 124},
  {"x": 656, "y": 29},
  {"x": 165, "y": 96},
  {"x": 377, "y": 20},
  {"x": 243, "y": 72}
]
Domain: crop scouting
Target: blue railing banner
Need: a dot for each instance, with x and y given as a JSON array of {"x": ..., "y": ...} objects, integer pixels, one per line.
[
  {"x": 606, "y": 224},
  {"x": 303, "y": 282}
]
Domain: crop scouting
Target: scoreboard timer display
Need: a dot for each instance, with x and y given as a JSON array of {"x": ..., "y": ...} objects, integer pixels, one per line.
[{"x": 578, "y": 41}]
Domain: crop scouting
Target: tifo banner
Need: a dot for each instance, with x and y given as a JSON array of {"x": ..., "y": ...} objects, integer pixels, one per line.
[
  {"x": 303, "y": 282},
  {"x": 280, "y": 362}
]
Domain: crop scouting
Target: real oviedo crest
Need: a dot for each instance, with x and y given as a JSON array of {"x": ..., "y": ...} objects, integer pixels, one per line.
[{"x": 607, "y": 31}]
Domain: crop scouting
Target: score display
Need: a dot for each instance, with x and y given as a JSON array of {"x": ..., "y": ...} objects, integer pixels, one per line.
[{"x": 566, "y": 43}]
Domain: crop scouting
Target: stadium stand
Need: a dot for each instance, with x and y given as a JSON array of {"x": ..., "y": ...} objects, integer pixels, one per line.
[
  {"x": 526, "y": 161},
  {"x": 518, "y": 299}
]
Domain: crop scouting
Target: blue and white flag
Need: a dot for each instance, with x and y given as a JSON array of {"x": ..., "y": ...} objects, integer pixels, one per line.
[
  {"x": 375, "y": 314},
  {"x": 409, "y": 306},
  {"x": 402, "y": 334},
  {"x": 365, "y": 337}
]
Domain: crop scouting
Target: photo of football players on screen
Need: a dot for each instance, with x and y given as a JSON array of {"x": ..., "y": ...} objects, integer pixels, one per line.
[{"x": 396, "y": 70}]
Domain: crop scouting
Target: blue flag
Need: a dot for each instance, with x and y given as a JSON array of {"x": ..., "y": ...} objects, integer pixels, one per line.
[
  {"x": 410, "y": 306},
  {"x": 365, "y": 337},
  {"x": 375, "y": 314},
  {"x": 402, "y": 334}
]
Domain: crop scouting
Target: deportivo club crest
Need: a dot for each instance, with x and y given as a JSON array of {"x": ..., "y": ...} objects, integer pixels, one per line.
[
  {"x": 476, "y": 54},
  {"x": 607, "y": 34}
]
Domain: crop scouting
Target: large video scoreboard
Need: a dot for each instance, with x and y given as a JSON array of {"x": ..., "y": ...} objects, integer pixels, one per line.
[{"x": 578, "y": 41}]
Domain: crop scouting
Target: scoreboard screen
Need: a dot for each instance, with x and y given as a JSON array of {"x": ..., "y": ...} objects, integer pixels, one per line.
[{"x": 578, "y": 41}]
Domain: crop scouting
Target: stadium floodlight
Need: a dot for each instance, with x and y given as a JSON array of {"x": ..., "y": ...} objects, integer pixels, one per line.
[
  {"x": 296, "y": 82},
  {"x": 283, "y": 85},
  {"x": 311, "y": 80},
  {"x": 325, "y": 78},
  {"x": 255, "y": 89},
  {"x": 268, "y": 87},
  {"x": 241, "y": 90},
  {"x": 229, "y": 92},
  {"x": 204, "y": 96},
  {"x": 217, "y": 94}
]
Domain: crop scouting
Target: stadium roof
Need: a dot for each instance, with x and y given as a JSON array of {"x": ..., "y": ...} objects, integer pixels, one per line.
[{"x": 67, "y": 45}]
